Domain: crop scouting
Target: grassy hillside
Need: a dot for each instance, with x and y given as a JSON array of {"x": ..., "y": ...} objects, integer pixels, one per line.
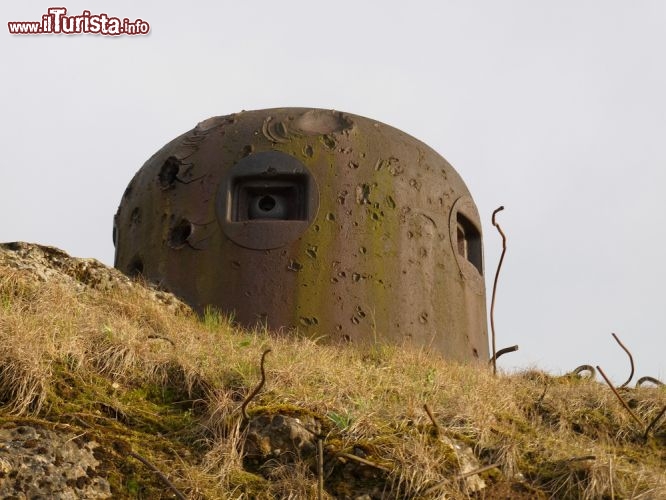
[{"x": 84, "y": 350}]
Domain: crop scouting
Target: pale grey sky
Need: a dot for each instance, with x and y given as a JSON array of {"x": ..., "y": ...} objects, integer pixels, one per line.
[{"x": 556, "y": 110}]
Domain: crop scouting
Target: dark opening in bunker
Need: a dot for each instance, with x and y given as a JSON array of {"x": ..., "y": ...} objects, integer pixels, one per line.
[
  {"x": 468, "y": 242},
  {"x": 179, "y": 234},
  {"x": 168, "y": 174},
  {"x": 284, "y": 197}
]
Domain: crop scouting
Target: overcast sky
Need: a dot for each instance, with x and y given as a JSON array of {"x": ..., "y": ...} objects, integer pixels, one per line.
[{"x": 556, "y": 110}]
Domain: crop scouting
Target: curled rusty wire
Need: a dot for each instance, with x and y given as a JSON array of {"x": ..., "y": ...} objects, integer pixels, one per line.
[
  {"x": 256, "y": 390},
  {"x": 585, "y": 368},
  {"x": 631, "y": 359},
  {"x": 652, "y": 380}
]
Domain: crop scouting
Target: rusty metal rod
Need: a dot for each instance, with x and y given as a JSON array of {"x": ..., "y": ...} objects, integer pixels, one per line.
[
  {"x": 501, "y": 352},
  {"x": 477, "y": 471},
  {"x": 631, "y": 359},
  {"x": 580, "y": 459},
  {"x": 492, "y": 303},
  {"x": 543, "y": 394},
  {"x": 320, "y": 469},
  {"x": 363, "y": 461},
  {"x": 256, "y": 390},
  {"x": 653, "y": 423},
  {"x": 626, "y": 406},
  {"x": 161, "y": 475},
  {"x": 432, "y": 419},
  {"x": 440, "y": 484}
]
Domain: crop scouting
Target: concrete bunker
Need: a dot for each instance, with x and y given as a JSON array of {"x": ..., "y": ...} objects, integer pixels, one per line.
[{"x": 338, "y": 225}]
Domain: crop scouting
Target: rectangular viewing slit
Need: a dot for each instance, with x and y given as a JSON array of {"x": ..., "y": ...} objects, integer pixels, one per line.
[
  {"x": 468, "y": 242},
  {"x": 280, "y": 198}
]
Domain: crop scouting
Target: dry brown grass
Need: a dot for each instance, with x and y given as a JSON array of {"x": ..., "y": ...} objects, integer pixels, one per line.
[{"x": 66, "y": 352}]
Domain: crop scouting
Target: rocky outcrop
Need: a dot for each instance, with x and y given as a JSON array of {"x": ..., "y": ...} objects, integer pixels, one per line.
[
  {"x": 51, "y": 264},
  {"x": 36, "y": 462},
  {"x": 282, "y": 438}
]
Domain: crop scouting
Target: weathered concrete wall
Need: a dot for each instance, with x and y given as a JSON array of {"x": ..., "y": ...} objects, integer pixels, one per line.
[{"x": 341, "y": 226}]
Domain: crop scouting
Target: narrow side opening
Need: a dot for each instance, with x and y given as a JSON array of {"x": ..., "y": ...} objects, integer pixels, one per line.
[{"x": 468, "y": 242}]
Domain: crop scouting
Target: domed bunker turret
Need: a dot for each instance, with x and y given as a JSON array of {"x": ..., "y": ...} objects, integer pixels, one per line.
[{"x": 343, "y": 227}]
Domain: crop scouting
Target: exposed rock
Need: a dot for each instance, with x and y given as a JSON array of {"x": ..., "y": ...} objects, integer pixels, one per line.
[
  {"x": 54, "y": 265},
  {"x": 468, "y": 463},
  {"x": 280, "y": 437},
  {"x": 39, "y": 463}
]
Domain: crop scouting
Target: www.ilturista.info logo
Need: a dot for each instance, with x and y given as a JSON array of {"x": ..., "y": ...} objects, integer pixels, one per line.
[{"x": 57, "y": 22}]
